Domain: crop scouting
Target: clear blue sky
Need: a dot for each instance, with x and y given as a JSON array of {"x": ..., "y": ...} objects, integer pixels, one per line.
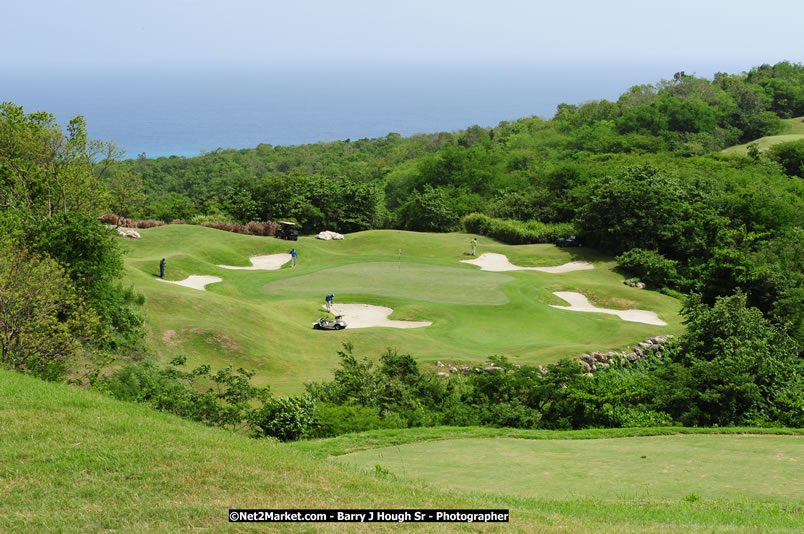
[{"x": 126, "y": 34}]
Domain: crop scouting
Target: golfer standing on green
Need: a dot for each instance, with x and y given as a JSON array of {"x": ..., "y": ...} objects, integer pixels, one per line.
[{"x": 474, "y": 245}]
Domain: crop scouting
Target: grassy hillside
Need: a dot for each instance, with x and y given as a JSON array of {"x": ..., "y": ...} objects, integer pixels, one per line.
[
  {"x": 75, "y": 461},
  {"x": 262, "y": 319},
  {"x": 794, "y": 130}
]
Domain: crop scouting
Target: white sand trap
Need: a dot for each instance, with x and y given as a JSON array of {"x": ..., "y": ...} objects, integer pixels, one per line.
[
  {"x": 195, "y": 281},
  {"x": 269, "y": 262},
  {"x": 580, "y": 303},
  {"x": 491, "y": 261},
  {"x": 367, "y": 316}
]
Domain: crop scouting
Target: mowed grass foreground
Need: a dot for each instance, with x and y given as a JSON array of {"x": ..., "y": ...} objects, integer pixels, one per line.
[
  {"x": 76, "y": 461},
  {"x": 262, "y": 320},
  {"x": 758, "y": 468}
]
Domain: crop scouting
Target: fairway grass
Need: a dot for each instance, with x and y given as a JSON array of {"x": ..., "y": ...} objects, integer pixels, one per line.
[
  {"x": 656, "y": 469},
  {"x": 74, "y": 461},
  {"x": 261, "y": 320}
]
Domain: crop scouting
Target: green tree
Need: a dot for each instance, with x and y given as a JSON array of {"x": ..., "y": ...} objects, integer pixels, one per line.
[
  {"x": 733, "y": 367},
  {"x": 127, "y": 196},
  {"x": 44, "y": 171},
  {"x": 790, "y": 156},
  {"x": 44, "y": 324},
  {"x": 429, "y": 211},
  {"x": 91, "y": 257}
]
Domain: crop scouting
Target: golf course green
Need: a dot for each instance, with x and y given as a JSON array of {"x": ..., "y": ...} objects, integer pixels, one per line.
[
  {"x": 262, "y": 319},
  {"x": 759, "y": 468}
]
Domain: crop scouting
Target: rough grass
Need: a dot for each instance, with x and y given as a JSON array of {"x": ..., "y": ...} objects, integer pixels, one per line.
[
  {"x": 794, "y": 130},
  {"x": 268, "y": 314},
  {"x": 75, "y": 461}
]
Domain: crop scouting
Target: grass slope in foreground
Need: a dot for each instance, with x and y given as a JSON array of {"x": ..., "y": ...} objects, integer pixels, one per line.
[
  {"x": 75, "y": 461},
  {"x": 262, "y": 320}
]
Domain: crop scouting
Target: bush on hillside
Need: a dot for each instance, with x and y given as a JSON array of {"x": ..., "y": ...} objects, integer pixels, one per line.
[
  {"x": 734, "y": 367},
  {"x": 92, "y": 258},
  {"x": 286, "y": 418},
  {"x": 649, "y": 266},
  {"x": 172, "y": 390},
  {"x": 334, "y": 420},
  {"x": 517, "y": 232},
  {"x": 44, "y": 323}
]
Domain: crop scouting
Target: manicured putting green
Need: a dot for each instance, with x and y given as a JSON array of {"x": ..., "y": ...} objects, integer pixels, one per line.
[
  {"x": 412, "y": 281},
  {"x": 666, "y": 468}
]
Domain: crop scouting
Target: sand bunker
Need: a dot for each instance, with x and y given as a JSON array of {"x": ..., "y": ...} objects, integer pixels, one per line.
[
  {"x": 367, "y": 316},
  {"x": 579, "y": 302},
  {"x": 269, "y": 262},
  {"x": 491, "y": 261},
  {"x": 194, "y": 281}
]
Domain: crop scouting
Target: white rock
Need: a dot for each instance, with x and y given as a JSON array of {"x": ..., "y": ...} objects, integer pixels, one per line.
[
  {"x": 328, "y": 235},
  {"x": 128, "y": 232}
]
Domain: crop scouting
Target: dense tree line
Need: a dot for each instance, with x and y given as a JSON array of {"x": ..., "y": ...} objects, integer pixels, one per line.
[
  {"x": 525, "y": 169},
  {"x": 61, "y": 299}
]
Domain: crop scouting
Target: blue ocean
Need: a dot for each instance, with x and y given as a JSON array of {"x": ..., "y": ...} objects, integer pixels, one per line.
[{"x": 184, "y": 111}]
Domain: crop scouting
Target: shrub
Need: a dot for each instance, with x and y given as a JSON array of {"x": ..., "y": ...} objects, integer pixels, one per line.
[
  {"x": 286, "y": 418},
  {"x": 649, "y": 266},
  {"x": 334, "y": 420},
  {"x": 172, "y": 390},
  {"x": 516, "y": 232},
  {"x": 43, "y": 321}
]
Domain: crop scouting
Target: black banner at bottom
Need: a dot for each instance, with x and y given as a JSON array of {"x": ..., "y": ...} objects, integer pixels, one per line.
[{"x": 237, "y": 515}]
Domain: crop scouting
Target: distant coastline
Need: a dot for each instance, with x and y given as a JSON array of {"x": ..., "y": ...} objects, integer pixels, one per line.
[{"x": 185, "y": 112}]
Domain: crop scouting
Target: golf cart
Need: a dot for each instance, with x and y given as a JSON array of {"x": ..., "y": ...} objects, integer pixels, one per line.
[
  {"x": 326, "y": 323},
  {"x": 287, "y": 230}
]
